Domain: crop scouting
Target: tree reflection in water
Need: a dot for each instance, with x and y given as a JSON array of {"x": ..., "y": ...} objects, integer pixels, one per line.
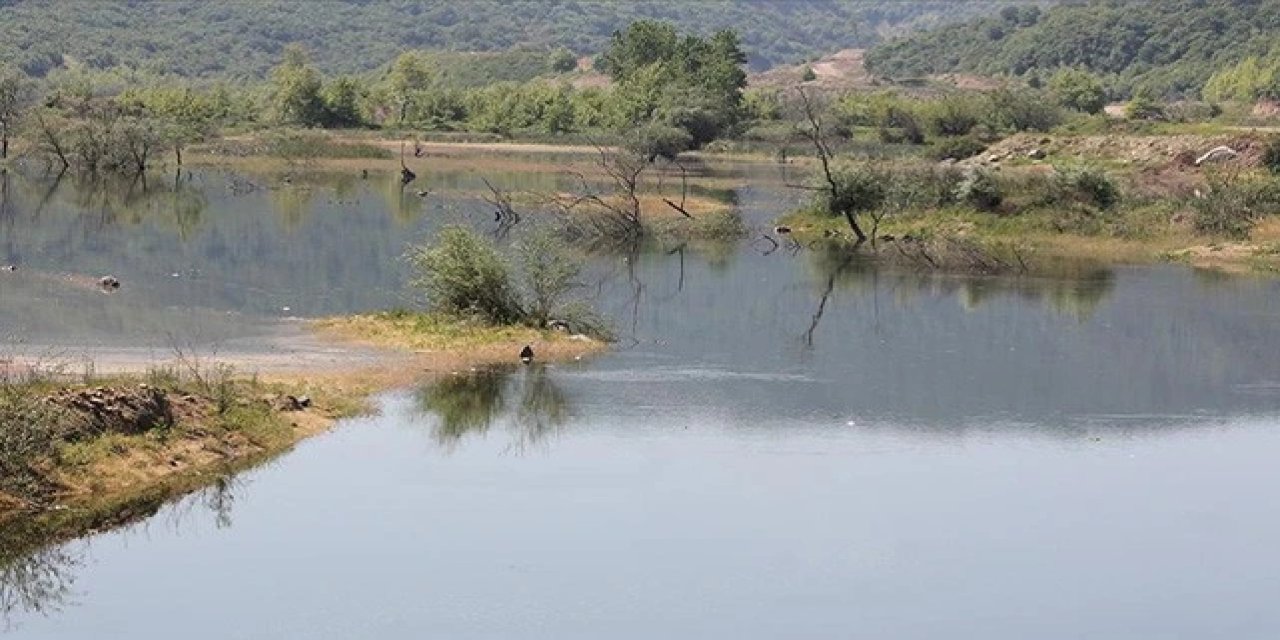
[
  {"x": 36, "y": 582},
  {"x": 525, "y": 400}
]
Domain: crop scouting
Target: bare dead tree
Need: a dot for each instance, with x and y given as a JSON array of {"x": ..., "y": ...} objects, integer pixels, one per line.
[
  {"x": 504, "y": 213},
  {"x": 406, "y": 176},
  {"x": 812, "y": 130},
  {"x": 616, "y": 215}
]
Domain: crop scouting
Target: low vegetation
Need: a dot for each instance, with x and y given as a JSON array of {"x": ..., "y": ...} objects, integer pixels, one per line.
[{"x": 78, "y": 442}]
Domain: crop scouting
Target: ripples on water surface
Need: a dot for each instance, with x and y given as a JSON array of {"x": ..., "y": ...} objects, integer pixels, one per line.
[{"x": 923, "y": 456}]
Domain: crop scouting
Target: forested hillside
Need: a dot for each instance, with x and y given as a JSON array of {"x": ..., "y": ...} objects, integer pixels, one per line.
[
  {"x": 1171, "y": 47},
  {"x": 243, "y": 39}
]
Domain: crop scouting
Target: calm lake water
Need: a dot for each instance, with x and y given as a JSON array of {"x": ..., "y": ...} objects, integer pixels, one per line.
[{"x": 791, "y": 445}]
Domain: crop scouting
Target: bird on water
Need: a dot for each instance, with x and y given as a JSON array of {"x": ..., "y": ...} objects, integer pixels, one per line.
[{"x": 526, "y": 354}]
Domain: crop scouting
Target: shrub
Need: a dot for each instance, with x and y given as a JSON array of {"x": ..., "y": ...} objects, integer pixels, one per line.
[
  {"x": 1231, "y": 207},
  {"x": 980, "y": 190},
  {"x": 952, "y": 115},
  {"x": 655, "y": 140},
  {"x": 29, "y": 430},
  {"x": 957, "y": 148},
  {"x": 857, "y": 188},
  {"x": 463, "y": 274},
  {"x": 1088, "y": 185},
  {"x": 1271, "y": 154}
]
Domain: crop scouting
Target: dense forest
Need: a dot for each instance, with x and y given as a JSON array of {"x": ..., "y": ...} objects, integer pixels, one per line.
[
  {"x": 1171, "y": 47},
  {"x": 236, "y": 40}
]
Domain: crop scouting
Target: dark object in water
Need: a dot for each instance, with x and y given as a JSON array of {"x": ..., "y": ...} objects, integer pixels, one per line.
[
  {"x": 526, "y": 354},
  {"x": 782, "y": 230},
  {"x": 424, "y": 193},
  {"x": 407, "y": 176},
  {"x": 364, "y": 174},
  {"x": 109, "y": 283}
]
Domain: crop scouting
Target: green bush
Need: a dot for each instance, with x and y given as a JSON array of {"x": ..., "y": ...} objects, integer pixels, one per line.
[
  {"x": 1230, "y": 207},
  {"x": 1087, "y": 185},
  {"x": 463, "y": 274},
  {"x": 1271, "y": 154},
  {"x": 980, "y": 190},
  {"x": 659, "y": 141},
  {"x": 956, "y": 148},
  {"x": 857, "y": 188},
  {"x": 953, "y": 115},
  {"x": 29, "y": 431}
]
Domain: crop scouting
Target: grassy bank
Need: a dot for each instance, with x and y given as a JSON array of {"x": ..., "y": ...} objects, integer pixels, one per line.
[
  {"x": 441, "y": 343},
  {"x": 90, "y": 451}
]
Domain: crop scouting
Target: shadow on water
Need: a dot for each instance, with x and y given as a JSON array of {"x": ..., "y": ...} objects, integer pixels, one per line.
[{"x": 525, "y": 400}]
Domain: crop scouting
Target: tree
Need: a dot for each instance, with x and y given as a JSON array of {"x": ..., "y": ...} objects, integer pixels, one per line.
[
  {"x": 15, "y": 97},
  {"x": 342, "y": 103},
  {"x": 840, "y": 192},
  {"x": 409, "y": 75},
  {"x": 562, "y": 60},
  {"x": 297, "y": 86},
  {"x": 688, "y": 82},
  {"x": 1078, "y": 89},
  {"x": 1143, "y": 106}
]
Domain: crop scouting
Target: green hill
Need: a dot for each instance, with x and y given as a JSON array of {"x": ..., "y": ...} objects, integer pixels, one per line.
[
  {"x": 241, "y": 39},
  {"x": 1171, "y": 46}
]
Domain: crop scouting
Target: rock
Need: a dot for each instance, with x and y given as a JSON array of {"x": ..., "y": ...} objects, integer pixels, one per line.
[
  {"x": 1036, "y": 154},
  {"x": 1218, "y": 154},
  {"x": 127, "y": 410},
  {"x": 10, "y": 268},
  {"x": 109, "y": 283},
  {"x": 558, "y": 325},
  {"x": 781, "y": 230},
  {"x": 526, "y": 354},
  {"x": 290, "y": 403}
]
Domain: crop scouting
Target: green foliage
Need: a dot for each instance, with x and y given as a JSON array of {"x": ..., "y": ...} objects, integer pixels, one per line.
[
  {"x": 29, "y": 430},
  {"x": 463, "y": 274},
  {"x": 655, "y": 140},
  {"x": 688, "y": 82},
  {"x": 16, "y": 97},
  {"x": 1027, "y": 110},
  {"x": 296, "y": 85},
  {"x": 858, "y": 187},
  {"x": 1079, "y": 90},
  {"x": 1252, "y": 79},
  {"x": 1144, "y": 106},
  {"x": 1232, "y": 205},
  {"x": 1271, "y": 154},
  {"x": 1172, "y": 46},
  {"x": 198, "y": 38},
  {"x": 954, "y": 114},
  {"x": 979, "y": 189},
  {"x": 1087, "y": 185},
  {"x": 809, "y": 75},
  {"x": 957, "y": 148},
  {"x": 561, "y": 60}
]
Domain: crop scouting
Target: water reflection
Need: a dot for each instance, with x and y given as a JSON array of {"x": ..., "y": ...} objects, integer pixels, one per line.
[
  {"x": 38, "y": 578},
  {"x": 1069, "y": 288},
  {"x": 526, "y": 400}
]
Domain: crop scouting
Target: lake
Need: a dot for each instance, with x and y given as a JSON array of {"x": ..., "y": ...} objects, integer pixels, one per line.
[{"x": 787, "y": 443}]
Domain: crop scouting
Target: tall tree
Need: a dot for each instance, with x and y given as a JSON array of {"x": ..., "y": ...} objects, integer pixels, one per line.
[
  {"x": 297, "y": 86},
  {"x": 16, "y": 91},
  {"x": 410, "y": 75}
]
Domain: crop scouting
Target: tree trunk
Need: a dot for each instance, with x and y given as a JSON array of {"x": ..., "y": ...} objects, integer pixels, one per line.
[{"x": 853, "y": 224}]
